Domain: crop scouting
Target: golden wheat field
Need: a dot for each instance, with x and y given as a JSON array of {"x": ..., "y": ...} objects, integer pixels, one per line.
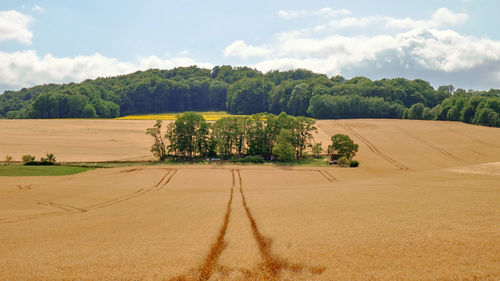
[{"x": 423, "y": 205}]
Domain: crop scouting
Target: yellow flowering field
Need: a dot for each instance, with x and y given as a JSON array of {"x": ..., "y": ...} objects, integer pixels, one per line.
[{"x": 209, "y": 116}]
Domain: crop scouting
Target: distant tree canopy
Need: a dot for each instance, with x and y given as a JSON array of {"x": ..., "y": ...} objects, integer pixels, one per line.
[
  {"x": 259, "y": 134},
  {"x": 242, "y": 90}
]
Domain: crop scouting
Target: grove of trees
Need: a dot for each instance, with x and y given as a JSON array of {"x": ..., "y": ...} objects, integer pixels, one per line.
[
  {"x": 260, "y": 134},
  {"x": 242, "y": 90}
]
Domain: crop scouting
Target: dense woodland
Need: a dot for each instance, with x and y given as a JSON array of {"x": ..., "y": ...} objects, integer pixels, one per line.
[{"x": 242, "y": 90}]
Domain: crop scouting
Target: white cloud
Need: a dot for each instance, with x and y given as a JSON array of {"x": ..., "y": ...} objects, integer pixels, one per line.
[
  {"x": 324, "y": 12},
  {"x": 37, "y": 8},
  {"x": 445, "y": 17},
  {"x": 15, "y": 26},
  {"x": 329, "y": 12},
  {"x": 26, "y": 68},
  {"x": 447, "y": 50},
  {"x": 441, "y": 18},
  {"x": 421, "y": 49},
  {"x": 242, "y": 50},
  {"x": 291, "y": 14}
]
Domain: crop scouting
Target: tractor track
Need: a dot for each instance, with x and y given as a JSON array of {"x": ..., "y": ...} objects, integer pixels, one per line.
[
  {"x": 328, "y": 176},
  {"x": 374, "y": 149},
  {"x": 429, "y": 144},
  {"x": 273, "y": 265},
  {"x": 216, "y": 249},
  {"x": 64, "y": 207},
  {"x": 129, "y": 196},
  {"x": 475, "y": 139},
  {"x": 168, "y": 180},
  {"x": 68, "y": 209},
  {"x": 21, "y": 188},
  {"x": 204, "y": 272}
]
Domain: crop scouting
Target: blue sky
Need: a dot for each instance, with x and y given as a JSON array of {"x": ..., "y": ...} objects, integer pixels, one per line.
[{"x": 444, "y": 42}]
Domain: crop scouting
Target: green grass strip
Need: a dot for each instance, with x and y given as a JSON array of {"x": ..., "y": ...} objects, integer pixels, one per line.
[{"x": 29, "y": 171}]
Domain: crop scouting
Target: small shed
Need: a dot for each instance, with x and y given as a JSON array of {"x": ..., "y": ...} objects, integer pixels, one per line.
[{"x": 334, "y": 158}]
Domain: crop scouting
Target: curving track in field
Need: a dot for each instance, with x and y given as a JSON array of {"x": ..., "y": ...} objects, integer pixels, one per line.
[
  {"x": 68, "y": 209},
  {"x": 272, "y": 265}
]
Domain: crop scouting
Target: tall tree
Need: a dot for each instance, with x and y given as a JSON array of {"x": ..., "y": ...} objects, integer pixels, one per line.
[
  {"x": 343, "y": 145},
  {"x": 158, "y": 148}
]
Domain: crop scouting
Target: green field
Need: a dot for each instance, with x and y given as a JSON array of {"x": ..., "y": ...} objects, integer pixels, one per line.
[{"x": 26, "y": 171}]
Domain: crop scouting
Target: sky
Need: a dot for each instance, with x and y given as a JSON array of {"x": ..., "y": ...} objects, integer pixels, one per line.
[{"x": 443, "y": 42}]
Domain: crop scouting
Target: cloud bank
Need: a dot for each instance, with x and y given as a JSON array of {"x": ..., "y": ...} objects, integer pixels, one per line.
[
  {"x": 379, "y": 47},
  {"x": 27, "y": 68}
]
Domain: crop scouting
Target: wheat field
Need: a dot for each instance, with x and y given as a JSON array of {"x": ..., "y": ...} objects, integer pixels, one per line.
[{"x": 423, "y": 205}]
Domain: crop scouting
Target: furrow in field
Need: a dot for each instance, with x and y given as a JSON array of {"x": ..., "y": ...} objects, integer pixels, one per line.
[{"x": 374, "y": 149}]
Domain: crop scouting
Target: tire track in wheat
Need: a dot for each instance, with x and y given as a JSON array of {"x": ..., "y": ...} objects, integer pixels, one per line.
[
  {"x": 64, "y": 207},
  {"x": 21, "y": 188},
  {"x": 216, "y": 250},
  {"x": 328, "y": 176},
  {"x": 204, "y": 272},
  {"x": 429, "y": 144},
  {"x": 273, "y": 265},
  {"x": 463, "y": 134},
  {"x": 68, "y": 209},
  {"x": 374, "y": 149},
  {"x": 168, "y": 180},
  {"x": 127, "y": 197}
]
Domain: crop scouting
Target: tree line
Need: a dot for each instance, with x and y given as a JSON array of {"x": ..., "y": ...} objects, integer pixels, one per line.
[
  {"x": 261, "y": 134},
  {"x": 242, "y": 90}
]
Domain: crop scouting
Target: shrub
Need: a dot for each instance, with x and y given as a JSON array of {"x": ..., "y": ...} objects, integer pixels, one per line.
[
  {"x": 250, "y": 159},
  {"x": 316, "y": 149},
  {"x": 353, "y": 163},
  {"x": 50, "y": 159},
  {"x": 8, "y": 159},
  {"x": 28, "y": 158},
  {"x": 343, "y": 161}
]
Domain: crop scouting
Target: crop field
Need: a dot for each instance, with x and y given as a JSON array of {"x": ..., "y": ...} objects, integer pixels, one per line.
[
  {"x": 423, "y": 205},
  {"x": 208, "y": 115}
]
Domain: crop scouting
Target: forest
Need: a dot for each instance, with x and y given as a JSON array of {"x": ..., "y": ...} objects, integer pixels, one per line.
[{"x": 243, "y": 90}]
